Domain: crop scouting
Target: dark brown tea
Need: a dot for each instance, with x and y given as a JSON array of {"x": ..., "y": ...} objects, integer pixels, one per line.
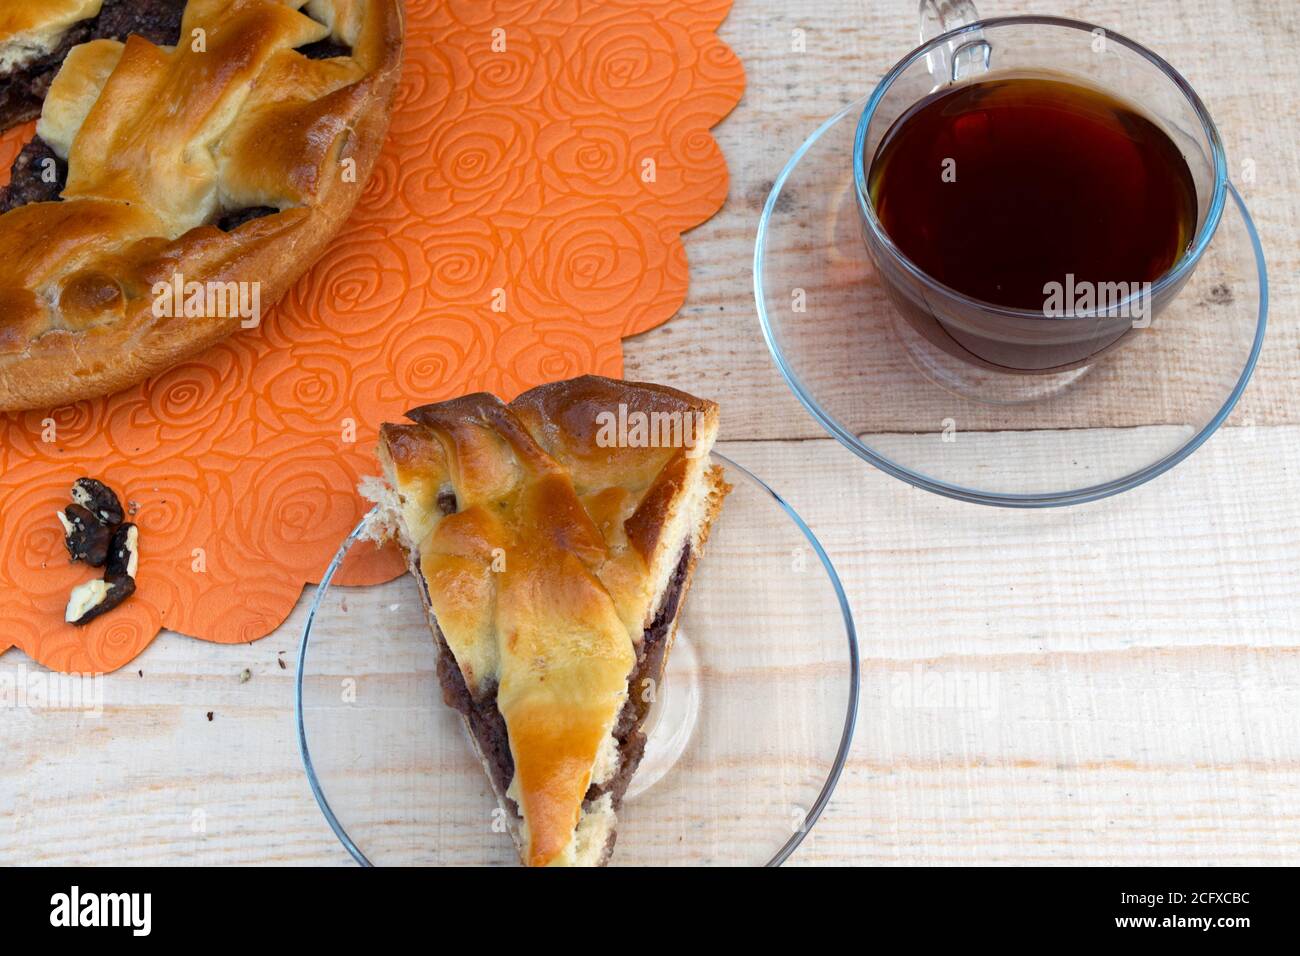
[{"x": 1001, "y": 187}]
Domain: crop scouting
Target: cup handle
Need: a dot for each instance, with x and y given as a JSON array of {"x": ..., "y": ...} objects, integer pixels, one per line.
[{"x": 957, "y": 59}]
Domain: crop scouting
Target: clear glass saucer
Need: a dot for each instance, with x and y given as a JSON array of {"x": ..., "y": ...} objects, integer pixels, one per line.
[
  {"x": 933, "y": 422},
  {"x": 749, "y": 735}
]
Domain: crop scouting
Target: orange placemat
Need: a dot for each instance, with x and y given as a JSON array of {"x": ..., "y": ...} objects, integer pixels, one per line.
[{"x": 544, "y": 158}]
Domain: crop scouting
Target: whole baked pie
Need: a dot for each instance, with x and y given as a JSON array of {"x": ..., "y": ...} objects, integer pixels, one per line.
[
  {"x": 211, "y": 147},
  {"x": 554, "y": 539}
]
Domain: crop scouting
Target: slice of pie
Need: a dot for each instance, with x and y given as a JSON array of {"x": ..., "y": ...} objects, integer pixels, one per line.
[
  {"x": 192, "y": 159},
  {"x": 554, "y": 539}
]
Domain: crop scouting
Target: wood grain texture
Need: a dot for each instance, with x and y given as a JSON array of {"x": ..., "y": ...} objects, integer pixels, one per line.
[{"x": 1112, "y": 683}]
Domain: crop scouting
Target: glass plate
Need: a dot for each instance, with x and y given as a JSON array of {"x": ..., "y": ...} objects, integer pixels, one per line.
[
  {"x": 749, "y": 734},
  {"x": 992, "y": 438}
]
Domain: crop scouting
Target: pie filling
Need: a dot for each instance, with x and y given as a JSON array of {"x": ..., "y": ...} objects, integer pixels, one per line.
[
  {"x": 237, "y": 217},
  {"x": 489, "y": 727},
  {"x": 326, "y": 49},
  {"x": 649, "y": 667},
  {"x": 29, "y": 180}
]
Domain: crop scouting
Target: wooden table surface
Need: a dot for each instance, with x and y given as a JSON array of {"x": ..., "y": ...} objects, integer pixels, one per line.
[{"x": 1142, "y": 653}]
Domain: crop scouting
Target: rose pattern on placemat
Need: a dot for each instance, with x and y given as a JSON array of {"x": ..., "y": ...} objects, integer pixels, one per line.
[{"x": 543, "y": 160}]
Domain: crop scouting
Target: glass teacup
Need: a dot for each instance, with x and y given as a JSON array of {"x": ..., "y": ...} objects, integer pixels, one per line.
[{"x": 958, "y": 48}]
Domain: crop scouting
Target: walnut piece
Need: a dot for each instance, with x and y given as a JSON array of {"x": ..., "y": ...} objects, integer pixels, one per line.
[
  {"x": 88, "y": 601},
  {"x": 95, "y": 531},
  {"x": 85, "y": 536},
  {"x": 97, "y": 498}
]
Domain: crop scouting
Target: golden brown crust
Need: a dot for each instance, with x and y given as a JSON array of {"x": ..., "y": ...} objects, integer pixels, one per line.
[
  {"x": 567, "y": 418},
  {"x": 542, "y": 579},
  {"x": 173, "y": 139}
]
